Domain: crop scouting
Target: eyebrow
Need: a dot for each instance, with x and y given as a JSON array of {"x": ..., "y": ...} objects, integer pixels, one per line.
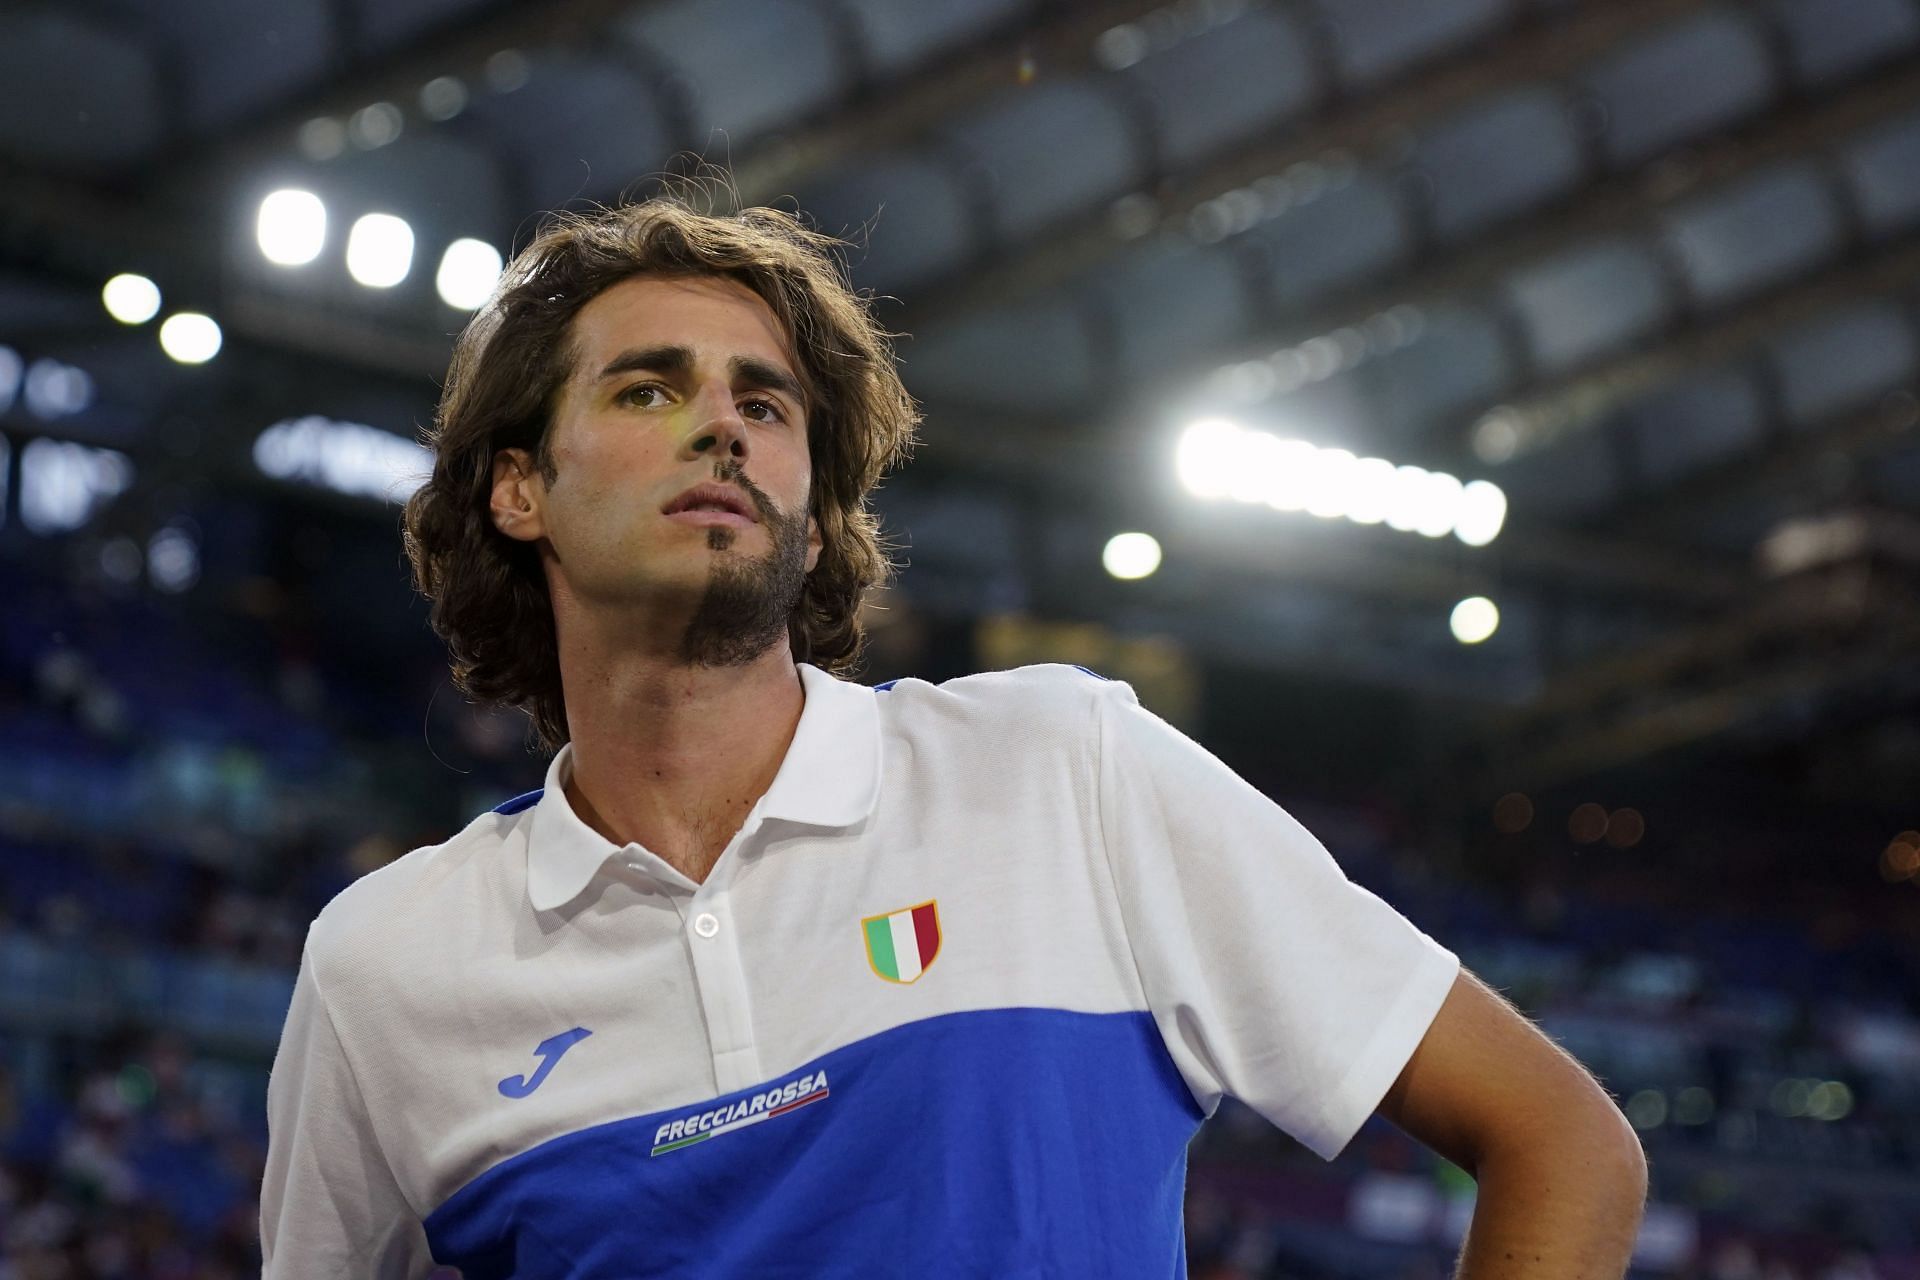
[{"x": 675, "y": 359}]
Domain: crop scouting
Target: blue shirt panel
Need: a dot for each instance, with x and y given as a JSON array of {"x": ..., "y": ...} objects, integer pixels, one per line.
[{"x": 1018, "y": 1143}]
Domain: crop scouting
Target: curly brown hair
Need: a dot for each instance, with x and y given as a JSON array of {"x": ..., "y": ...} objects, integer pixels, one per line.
[{"x": 488, "y": 591}]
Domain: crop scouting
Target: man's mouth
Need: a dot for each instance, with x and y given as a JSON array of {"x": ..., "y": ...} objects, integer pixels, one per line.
[{"x": 712, "y": 504}]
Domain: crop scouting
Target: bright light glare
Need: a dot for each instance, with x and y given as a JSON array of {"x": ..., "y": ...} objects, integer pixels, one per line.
[
  {"x": 468, "y": 271},
  {"x": 1370, "y": 494},
  {"x": 292, "y": 227},
  {"x": 173, "y": 560},
  {"x": 1333, "y": 475},
  {"x": 1483, "y": 510},
  {"x": 12, "y": 374},
  {"x": 61, "y": 483},
  {"x": 1437, "y": 508},
  {"x": 54, "y": 390},
  {"x": 1403, "y": 507},
  {"x": 347, "y": 457},
  {"x": 1209, "y": 459},
  {"x": 1474, "y": 619},
  {"x": 1257, "y": 466},
  {"x": 380, "y": 250},
  {"x": 1218, "y": 458},
  {"x": 190, "y": 337},
  {"x": 1289, "y": 473},
  {"x": 131, "y": 299},
  {"x": 1131, "y": 555}
]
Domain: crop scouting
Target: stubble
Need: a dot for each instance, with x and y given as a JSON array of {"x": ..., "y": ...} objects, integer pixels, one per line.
[{"x": 748, "y": 601}]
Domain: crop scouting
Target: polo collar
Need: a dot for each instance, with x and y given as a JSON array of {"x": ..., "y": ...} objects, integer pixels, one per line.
[{"x": 830, "y": 777}]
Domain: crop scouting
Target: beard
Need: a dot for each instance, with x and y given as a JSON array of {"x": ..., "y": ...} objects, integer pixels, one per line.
[{"x": 749, "y": 600}]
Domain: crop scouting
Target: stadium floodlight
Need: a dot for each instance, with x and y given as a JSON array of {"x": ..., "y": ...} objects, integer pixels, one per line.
[
  {"x": 1256, "y": 466},
  {"x": 1403, "y": 503},
  {"x": 322, "y": 138},
  {"x": 120, "y": 560},
  {"x": 190, "y": 337},
  {"x": 61, "y": 483},
  {"x": 13, "y": 372},
  {"x": 1217, "y": 458},
  {"x": 375, "y": 125},
  {"x": 173, "y": 560},
  {"x": 1288, "y": 467},
  {"x": 1483, "y": 512},
  {"x": 55, "y": 390},
  {"x": 1438, "y": 506},
  {"x": 1474, "y": 619},
  {"x": 131, "y": 299},
  {"x": 380, "y": 250},
  {"x": 443, "y": 97},
  {"x": 1370, "y": 493},
  {"x": 292, "y": 227},
  {"x": 347, "y": 457},
  {"x": 1333, "y": 477},
  {"x": 1208, "y": 458},
  {"x": 468, "y": 271},
  {"x": 1130, "y": 556}
]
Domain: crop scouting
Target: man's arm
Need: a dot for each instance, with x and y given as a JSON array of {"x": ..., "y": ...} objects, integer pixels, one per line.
[
  {"x": 329, "y": 1202},
  {"x": 1562, "y": 1177}
]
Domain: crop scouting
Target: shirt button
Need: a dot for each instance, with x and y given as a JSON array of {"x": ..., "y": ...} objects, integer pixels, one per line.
[{"x": 705, "y": 924}]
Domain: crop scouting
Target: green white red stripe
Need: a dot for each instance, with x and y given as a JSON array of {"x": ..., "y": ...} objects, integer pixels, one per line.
[{"x": 901, "y": 944}]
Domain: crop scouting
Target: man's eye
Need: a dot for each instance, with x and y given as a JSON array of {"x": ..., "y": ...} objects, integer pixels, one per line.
[
  {"x": 767, "y": 411},
  {"x": 632, "y": 395}
]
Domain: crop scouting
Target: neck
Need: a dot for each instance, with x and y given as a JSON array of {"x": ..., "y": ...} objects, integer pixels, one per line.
[{"x": 671, "y": 756}]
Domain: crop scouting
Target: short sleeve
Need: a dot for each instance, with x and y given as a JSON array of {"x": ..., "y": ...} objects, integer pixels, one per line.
[
  {"x": 1272, "y": 977},
  {"x": 329, "y": 1204}
]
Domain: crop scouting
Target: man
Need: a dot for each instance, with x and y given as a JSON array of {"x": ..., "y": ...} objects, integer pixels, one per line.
[{"x": 780, "y": 975}]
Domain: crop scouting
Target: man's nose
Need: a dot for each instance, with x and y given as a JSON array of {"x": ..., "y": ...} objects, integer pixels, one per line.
[{"x": 722, "y": 431}]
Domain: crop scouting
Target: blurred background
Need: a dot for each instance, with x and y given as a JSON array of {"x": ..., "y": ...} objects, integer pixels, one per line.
[{"x": 1562, "y": 576}]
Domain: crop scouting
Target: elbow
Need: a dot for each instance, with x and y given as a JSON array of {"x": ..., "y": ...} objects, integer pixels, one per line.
[
  {"x": 1614, "y": 1161},
  {"x": 1593, "y": 1142},
  {"x": 1634, "y": 1160},
  {"x": 1619, "y": 1144}
]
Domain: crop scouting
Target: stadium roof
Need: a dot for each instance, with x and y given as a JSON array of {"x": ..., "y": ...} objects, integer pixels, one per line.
[{"x": 1649, "y": 266}]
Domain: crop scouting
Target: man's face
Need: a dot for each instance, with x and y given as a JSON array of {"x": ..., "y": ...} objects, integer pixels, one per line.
[{"x": 677, "y": 384}]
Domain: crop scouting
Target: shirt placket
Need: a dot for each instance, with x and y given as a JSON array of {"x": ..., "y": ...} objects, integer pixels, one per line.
[{"x": 714, "y": 940}]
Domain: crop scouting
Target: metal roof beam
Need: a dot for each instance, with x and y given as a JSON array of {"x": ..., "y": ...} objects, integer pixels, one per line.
[
  {"x": 919, "y": 102},
  {"x": 187, "y": 173},
  {"x": 1363, "y": 124},
  {"x": 768, "y": 167},
  {"x": 1583, "y": 401},
  {"x": 1624, "y": 205},
  {"x": 1803, "y": 639},
  {"x": 1780, "y": 466}
]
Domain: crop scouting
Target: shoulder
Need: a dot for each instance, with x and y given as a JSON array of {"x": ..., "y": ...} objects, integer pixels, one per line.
[
  {"x": 383, "y": 916},
  {"x": 1043, "y": 697},
  {"x": 1053, "y": 683}
]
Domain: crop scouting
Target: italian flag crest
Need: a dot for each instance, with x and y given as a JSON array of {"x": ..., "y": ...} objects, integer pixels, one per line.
[{"x": 901, "y": 944}]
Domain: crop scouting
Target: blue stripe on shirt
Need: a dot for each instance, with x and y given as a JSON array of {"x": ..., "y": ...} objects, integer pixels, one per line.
[{"x": 1001, "y": 1142}]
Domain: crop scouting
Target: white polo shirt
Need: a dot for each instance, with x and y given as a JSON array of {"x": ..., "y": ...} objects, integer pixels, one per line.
[{"x": 951, "y": 1003}]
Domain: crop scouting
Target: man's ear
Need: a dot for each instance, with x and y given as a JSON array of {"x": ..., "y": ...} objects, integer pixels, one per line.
[
  {"x": 814, "y": 541},
  {"x": 519, "y": 492}
]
